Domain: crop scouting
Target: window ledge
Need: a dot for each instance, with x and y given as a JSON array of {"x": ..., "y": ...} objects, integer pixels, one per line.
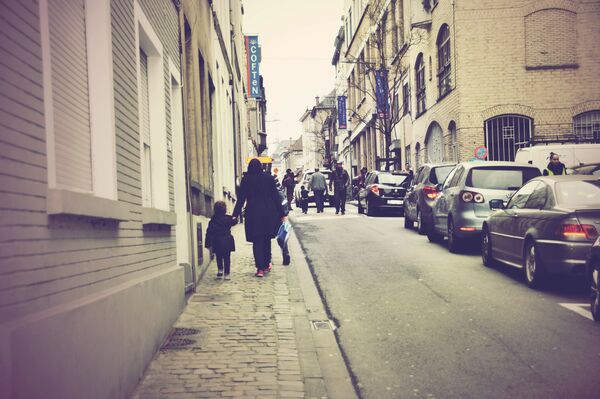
[
  {"x": 546, "y": 67},
  {"x": 157, "y": 216},
  {"x": 68, "y": 202}
]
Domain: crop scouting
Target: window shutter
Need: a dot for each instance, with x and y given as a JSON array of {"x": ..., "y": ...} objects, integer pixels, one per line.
[
  {"x": 70, "y": 98},
  {"x": 145, "y": 104}
]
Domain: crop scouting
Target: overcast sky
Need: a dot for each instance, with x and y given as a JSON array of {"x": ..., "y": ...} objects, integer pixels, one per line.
[{"x": 297, "y": 47}]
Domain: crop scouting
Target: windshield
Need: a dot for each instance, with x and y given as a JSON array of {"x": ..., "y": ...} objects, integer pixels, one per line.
[
  {"x": 440, "y": 173},
  {"x": 501, "y": 177},
  {"x": 390, "y": 179},
  {"x": 577, "y": 193}
]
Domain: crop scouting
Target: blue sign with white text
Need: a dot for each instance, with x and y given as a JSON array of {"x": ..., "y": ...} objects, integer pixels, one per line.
[
  {"x": 253, "y": 55},
  {"x": 341, "y": 112}
]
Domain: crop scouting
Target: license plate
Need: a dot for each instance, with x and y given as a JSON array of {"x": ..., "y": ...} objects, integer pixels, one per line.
[{"x": 395, "y": 202}]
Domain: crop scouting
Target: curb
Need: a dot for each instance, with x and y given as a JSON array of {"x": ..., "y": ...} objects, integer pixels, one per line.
[{"x": 323, "y": 365}]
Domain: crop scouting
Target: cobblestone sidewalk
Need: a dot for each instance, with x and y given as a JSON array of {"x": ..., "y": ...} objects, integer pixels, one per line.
[{"x": 246, "y": 345}]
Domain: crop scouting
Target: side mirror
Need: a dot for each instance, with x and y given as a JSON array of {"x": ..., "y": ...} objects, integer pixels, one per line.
[
  {"x": 439, "y": 187},
  {"x": 497, "y": 204}
]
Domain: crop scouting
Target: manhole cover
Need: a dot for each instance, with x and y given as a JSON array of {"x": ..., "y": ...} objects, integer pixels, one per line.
[
  {"x": 177, "y": 331},
  {"x": 322, "y": 325},
  {"x": 177, "y": 343}
]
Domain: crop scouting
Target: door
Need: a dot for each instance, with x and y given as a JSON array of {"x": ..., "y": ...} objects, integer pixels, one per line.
[
  {"x": 434, "y": 144},
  {"x": 512, "y": 223},
  {"x": 446, "y": 199},
  {"x": 411, "y": 199}
]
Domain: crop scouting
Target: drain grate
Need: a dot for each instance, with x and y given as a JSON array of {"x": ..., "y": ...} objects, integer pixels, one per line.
[
  {"x": 178, "y": 331},
  {"x": 322, "y": 325},
  {"x": 178, "y": 343}
]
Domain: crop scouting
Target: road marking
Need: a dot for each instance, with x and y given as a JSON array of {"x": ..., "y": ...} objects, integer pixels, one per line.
[
  {"x": 581, "y": 309},
  {"x": 311, "y": 218}
]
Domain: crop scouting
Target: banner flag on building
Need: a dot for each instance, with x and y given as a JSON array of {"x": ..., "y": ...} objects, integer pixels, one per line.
[
  {"x": 341, "y": 109},
  {"x": 381, "y": 93},
  {"x": 253, "y": 58}
]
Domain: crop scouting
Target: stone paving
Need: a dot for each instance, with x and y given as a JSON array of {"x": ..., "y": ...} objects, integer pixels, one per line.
[{"x": 246, "y": 346}]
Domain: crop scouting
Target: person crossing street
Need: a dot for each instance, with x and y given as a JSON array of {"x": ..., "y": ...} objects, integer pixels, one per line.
[{"x": 338, "y": 182}]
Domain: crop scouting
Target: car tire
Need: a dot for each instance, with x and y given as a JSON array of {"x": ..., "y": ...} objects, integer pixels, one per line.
[
  {"x": 533, "y": 269},
  {"x": 486, "y": 248},
  {"x": 370, "y": 209},
  {"x": 595, "y": 289},
  {"x": 408, "y": 224},
  {"x": 421, "y": 227},
  {"x": 454, "y": 242},
  {"x": 361, "y": 210},
  {"x": 434, "y": 236}
]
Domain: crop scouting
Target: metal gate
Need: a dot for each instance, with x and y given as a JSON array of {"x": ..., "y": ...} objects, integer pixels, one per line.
[
  {"x": 586, "y": 126},
  {"x": 434, "y": 144},
  {"x": 505, "y": 134}
]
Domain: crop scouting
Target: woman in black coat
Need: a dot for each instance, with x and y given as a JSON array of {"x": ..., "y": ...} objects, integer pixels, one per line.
[{"x": 263, "y": 215}]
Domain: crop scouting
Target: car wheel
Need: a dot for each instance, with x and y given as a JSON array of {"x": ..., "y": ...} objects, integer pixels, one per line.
[
  {"x": 421, "y": 227},
  {"x": 533, "y": 268},
  {"x": 595, "y": 290},
  {"x": 454, "y": 243},
  {"x": 408, "y": 224},
  {"x": 434, "y": 236},
  {"x": 370, "y": 209},
  {"x": 486, "y": 248},
  {"x": 361, "y": 210}
]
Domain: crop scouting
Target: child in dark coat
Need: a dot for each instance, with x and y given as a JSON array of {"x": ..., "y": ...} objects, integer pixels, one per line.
[
  {"x": 304, "y": 199},
  {"x": 219, "y": 238}
]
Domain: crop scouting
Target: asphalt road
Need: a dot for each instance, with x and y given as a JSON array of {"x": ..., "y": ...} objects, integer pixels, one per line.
[{"x": 416, "y": 321}]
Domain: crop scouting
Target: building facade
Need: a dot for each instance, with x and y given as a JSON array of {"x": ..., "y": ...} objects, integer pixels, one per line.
[
  {"x": 91, "y": 137},
  {"x": 493, "y": 76},
  {"x": 316, "y": 126}
]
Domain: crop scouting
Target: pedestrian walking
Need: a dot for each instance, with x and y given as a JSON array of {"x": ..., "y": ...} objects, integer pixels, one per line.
[
  {"x": 289, "y": 184},
  {"x": 555, "y": 167},
  {"x": 263, "y": 215},
  {"x": 219, "y": 238},
  {"x": 304, "y": 199},
  {"x": 338, "y": 181},
  {"x": 318, "y": 185}
]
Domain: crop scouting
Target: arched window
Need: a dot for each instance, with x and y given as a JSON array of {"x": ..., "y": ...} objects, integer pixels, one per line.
[
  {"x": 444, "y": 66},
  {"x": 434, "y": 143},
  {"x": 453, "y": 141},
  {"x": 587, "y": 125},
  {"x": 505, "y": 134},
  {"x": 420, "y": 79}
]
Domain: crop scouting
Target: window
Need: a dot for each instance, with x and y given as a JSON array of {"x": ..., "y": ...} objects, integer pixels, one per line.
[
  {"x": 405, "y": 98},
  {"x": 587, "y": 125},
  {"x": 79, "y": 96},
  {"x": 152, "y": 115},
  {"x": 443, "y": 73},
  {"x": 417, "y": 154},
  {"x": 362, "y": 74},
  {"x": 407, "y": 154},
  {"x": 396, "y": 106},
  {"x": 439, "y": 174},
  {"x": 420, "y": 80},
  {"x": 519, "y": 199},
  {"x": 501, "y": 177},
  {"x": 537, "y": 199},
  {"x": 578, "y": 193},
  {"x": 505, "y": 134}
]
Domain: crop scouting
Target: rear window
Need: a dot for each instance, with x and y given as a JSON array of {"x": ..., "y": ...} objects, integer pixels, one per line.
[
  {"x": 390, "y": 179},
  {"x": 577, "y": 193},
  {"x": 501, "y": 177},
  {"x": 439, "y": 174}
]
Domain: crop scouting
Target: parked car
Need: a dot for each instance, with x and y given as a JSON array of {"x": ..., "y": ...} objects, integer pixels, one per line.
[
  {"x": 548, "y": 226},
  {"x": 421, "y": 194},
  {"x": 328, "y": 200},
  {"x": 462, "y": 204},
  {"x": 589, "y": 169},
  {"x": 383, "y": 190},
  {"x": 593, "y": 273},
  {"x": 572, "y": 155}
]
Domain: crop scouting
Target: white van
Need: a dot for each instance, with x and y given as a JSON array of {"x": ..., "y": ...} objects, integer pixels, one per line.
[{"x": 571, "y": 155}]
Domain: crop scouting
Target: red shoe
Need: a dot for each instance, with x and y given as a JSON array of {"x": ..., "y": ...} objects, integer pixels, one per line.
[
  {"x": 268, "y": 269},
  {"x": 260, "y": 273}
]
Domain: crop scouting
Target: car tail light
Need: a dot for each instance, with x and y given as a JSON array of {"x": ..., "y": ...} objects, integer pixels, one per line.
[
  {"x": 575, "y": 230},
  {"x": 430, "y": 192},
  {"x": 375, "y": 189},
  {"x": 469, "y": 196}
]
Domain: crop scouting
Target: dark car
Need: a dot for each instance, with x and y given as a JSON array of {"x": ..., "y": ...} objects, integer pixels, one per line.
[
  {"x": 383, "y": 190},
  {"x": 421, "y": 194},
  {"x": 548, "y": 226},
  {"x": 462, "y": 204},
  {"x": 593, "y": 273},
  {"x": 590, "y": 169}
]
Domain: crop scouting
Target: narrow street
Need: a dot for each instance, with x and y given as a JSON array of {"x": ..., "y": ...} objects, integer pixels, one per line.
[{"x": 417, "y": 321}]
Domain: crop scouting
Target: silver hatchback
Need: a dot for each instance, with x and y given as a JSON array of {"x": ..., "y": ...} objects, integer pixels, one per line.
[{"x": 463, "y": 203}]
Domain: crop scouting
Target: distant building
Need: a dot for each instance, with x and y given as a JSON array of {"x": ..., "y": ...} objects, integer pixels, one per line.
[
  {"x": 316, "y": 128},
  {"x": 292, "y": 157}
]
